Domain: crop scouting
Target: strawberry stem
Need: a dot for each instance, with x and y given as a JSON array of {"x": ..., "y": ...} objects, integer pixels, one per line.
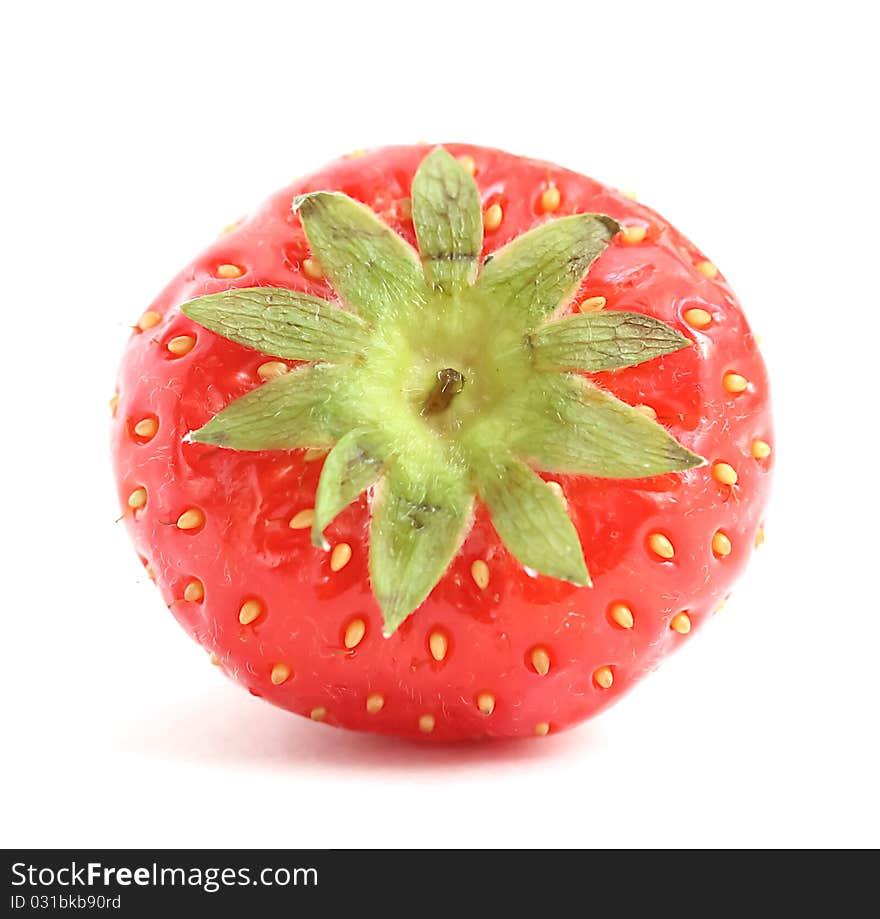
[{"x": 448, "y": 385}]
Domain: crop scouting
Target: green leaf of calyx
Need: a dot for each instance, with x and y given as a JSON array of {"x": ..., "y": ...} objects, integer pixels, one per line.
[
  {"x": 300, "y": 409},
  {"x": 531, "y": 520},
  {"x": 351, "y": 467},
  {"x": 574, "y": 427},
  {"x": 603, "y": 341},
  {"x": 370, "y": 267},
  {"x": 541, "y": 270},
  {"x": 448, "y": 220},
  {"x": 282, "y": 323},
  {"x": 414, "y": 535}
]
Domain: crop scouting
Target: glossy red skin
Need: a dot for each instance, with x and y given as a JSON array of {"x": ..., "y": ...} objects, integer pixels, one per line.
[{"x": 247, "y": 550}]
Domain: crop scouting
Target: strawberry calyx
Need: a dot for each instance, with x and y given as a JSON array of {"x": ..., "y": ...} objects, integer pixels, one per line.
[{"x": 437, "y": 380}]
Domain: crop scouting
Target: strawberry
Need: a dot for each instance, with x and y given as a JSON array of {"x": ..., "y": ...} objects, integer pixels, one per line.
[{"x": 444, "y": 443}]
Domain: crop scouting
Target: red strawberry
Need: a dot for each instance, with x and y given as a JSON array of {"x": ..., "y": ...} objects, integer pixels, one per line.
[{"x": 550, "y": 326}]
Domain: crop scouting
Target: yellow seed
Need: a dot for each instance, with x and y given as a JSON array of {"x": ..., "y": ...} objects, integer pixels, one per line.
[
  {"x": 630, "y": 194},
  {"x": 229, "y": 271},
  {"x": 724, "y": 473},
  {"x": 280, "y": 674},
  {"x": 354, "y": 633},
  {"x": 250, "y": 610},
  {"x": 721, "y": 544},
  {"x": 542, "y": 729},
  {"x": 556, "y": 488},
  {"x": 660, "y": 545},
  {"x": 760, "y": 449},
  {"x": 114, "y": 404},
  {"x": 318, "y": 714},
  {"x": 480, "y": 574},
  {"x": 303, "y": 519},
  {"x": 147, "y": 427},
  {"x": 592, "y": 304},
  {"x": 271, "y": 370},
  {"x": 550, "y": 199},
  {"x": 486, "y": 703},
  {"x": 439, "y": 645},
  {"x": 312, "y": 269},
  {"x": 633, "y": 235},
  {"x": 357, "y": 154},
  {"x": 190, "y": 519},
  {"x": 707, "y": 269},
  {"x": 541, "y": 661},
  {"x": 680, "y": 623},
  {"x": 720, "y": 607},
  {"x": 426, "y": 723},
  {"x": 622, "y": 615},
  {"x": 194, "y": 592},
  {"x": 493, "y": 217},
  {"x": 404, "y": 208},
  {"x": 181, "y": 345},
  {"x": 735, "y": 382},
  {"x": 314, "y": 453},
  {"x": 699, "y": 319},
  {"x": 340, "y": 556},
  {"x": 604, "y": 677},
  {"x": 149, "y": 319},
  {"x": 375, "y": 703},
  {"x": 151, "y": 572},
  {"x": 759, "y": 537},
  {"x": 228, "y": 228},
  {"x": 137, "y": 499},
  {"x": 470, "y": 167},
  {"x": 647, "y": 411},
  {"x": 215, "y": 661}
]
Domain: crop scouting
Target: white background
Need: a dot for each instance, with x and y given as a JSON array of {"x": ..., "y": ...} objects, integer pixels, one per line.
[{"x": 134, "y": 132}]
